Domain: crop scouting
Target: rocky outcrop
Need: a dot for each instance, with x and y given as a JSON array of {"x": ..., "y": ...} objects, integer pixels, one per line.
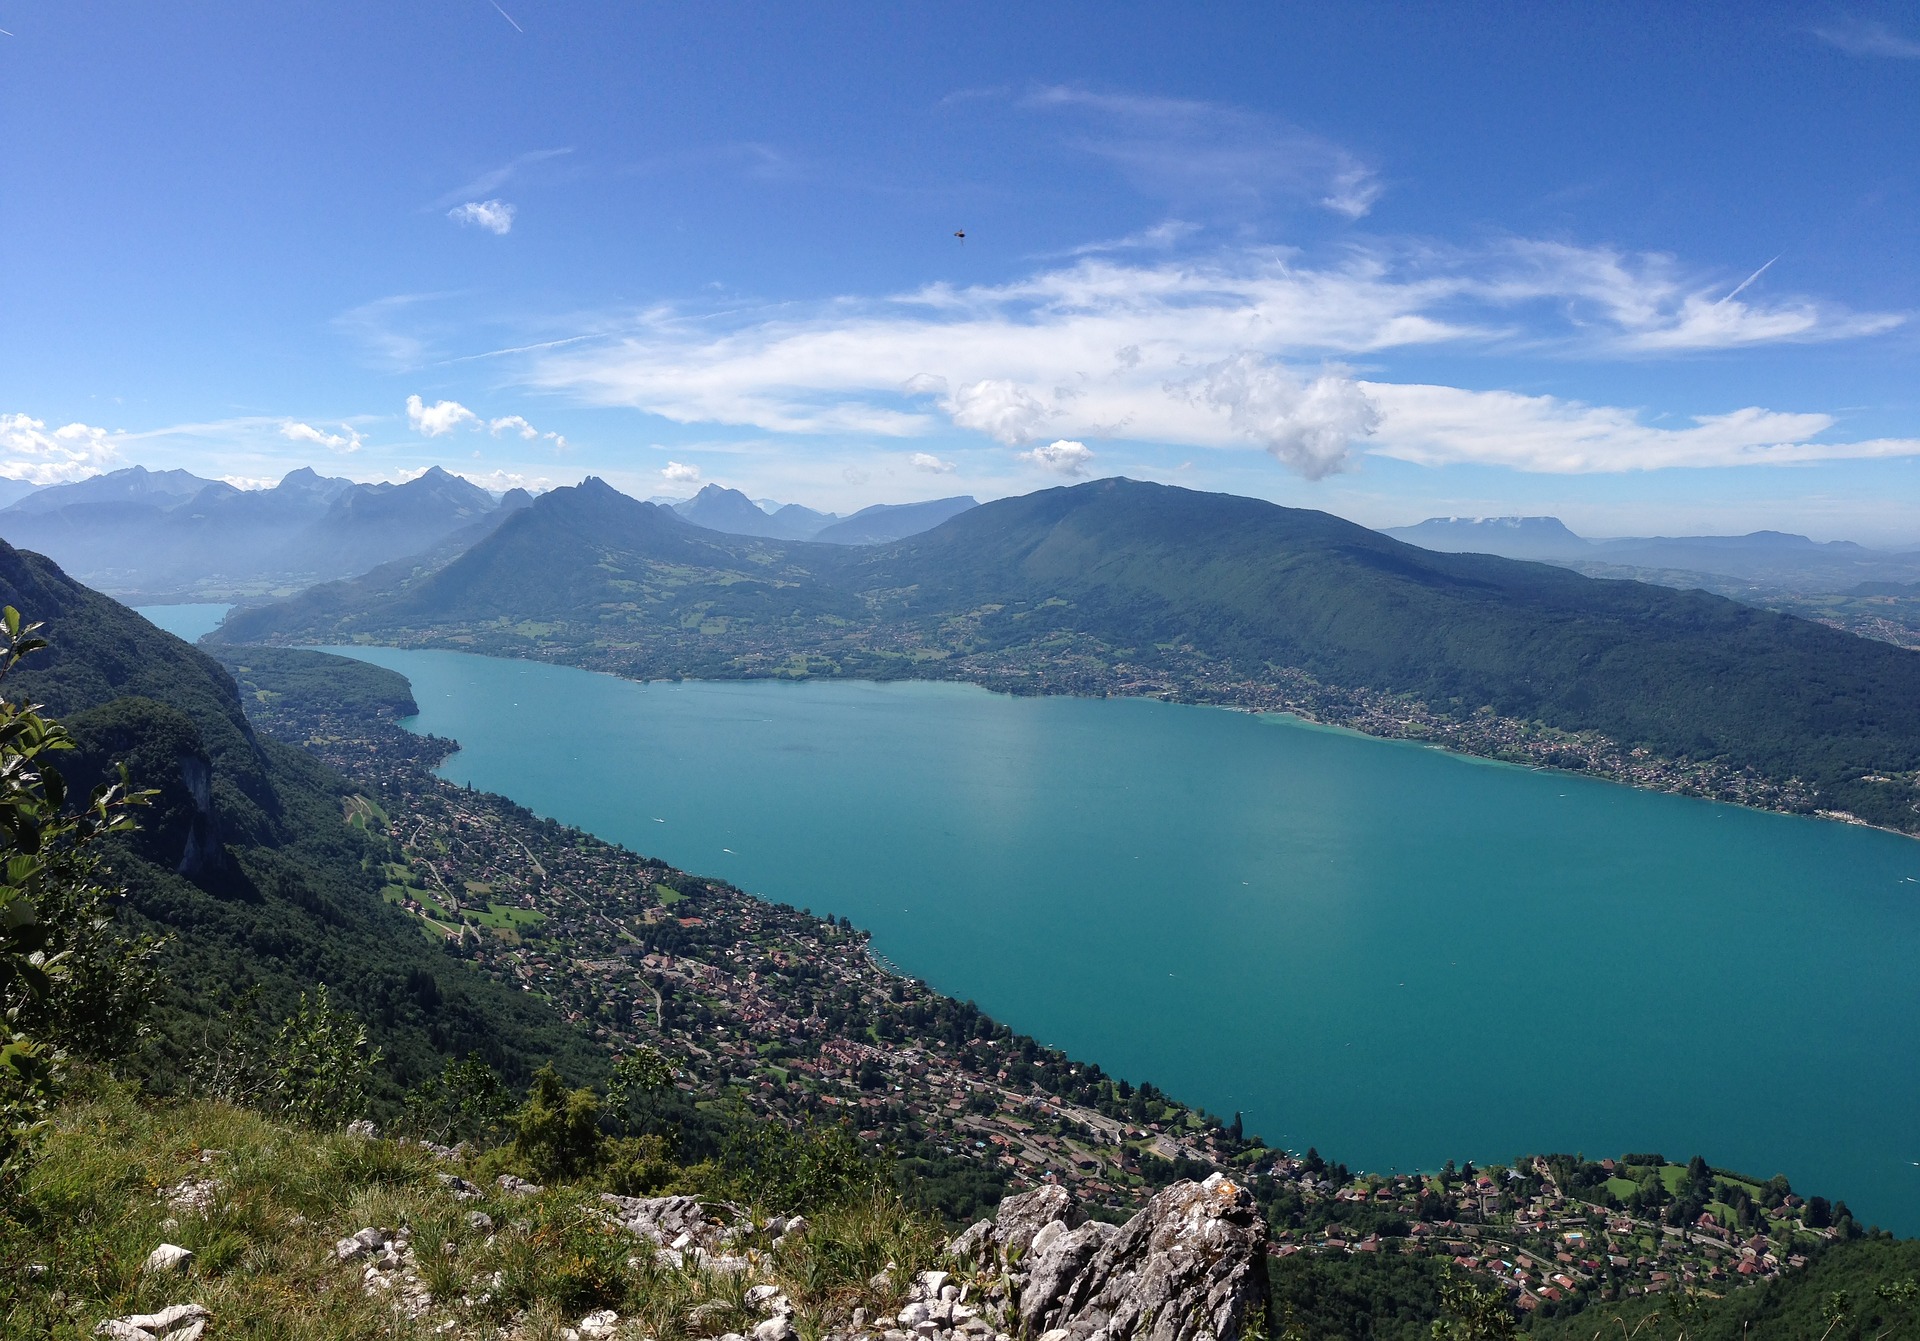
[{"x": 1191, "y": 1266}]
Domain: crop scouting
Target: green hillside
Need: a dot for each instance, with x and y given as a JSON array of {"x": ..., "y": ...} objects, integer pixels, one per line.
[
  {"x": 1118, "y": 586},
  {"x": 1867, "y": 1290},
  {"x": 245, "y": 862}
]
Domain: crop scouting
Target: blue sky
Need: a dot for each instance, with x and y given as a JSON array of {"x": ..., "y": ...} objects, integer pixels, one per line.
[{"x": 1645, "y": 269}]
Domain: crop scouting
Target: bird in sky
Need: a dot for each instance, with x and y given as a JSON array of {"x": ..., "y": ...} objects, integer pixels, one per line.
[{"x": 961, "y": 233}]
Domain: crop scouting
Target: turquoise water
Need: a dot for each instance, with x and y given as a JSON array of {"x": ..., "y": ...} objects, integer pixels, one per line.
[
  {"x": 1393, "y": 954},
  {"x": 191, "y": 622}
]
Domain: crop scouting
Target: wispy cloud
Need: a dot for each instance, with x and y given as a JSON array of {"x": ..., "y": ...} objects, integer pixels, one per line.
[
  {"x": 490, "y": 181},
  {"x": 394, "y": 330},
  {"x": 1162, "y": 236},
  {"x": 1868, "y": 37},
  {"x": 1242, "y": 348},
  {"x": 1441, "y": 425},
  {"x": 496, "y": 216},
  {"x": 1641, "y": 303},
  {"x": 928, "y": 463},
  {"x": 1206, "y": 153}
]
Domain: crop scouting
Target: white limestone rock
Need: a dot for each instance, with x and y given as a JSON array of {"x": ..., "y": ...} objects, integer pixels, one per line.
[{"x": 167, "y": 1257}]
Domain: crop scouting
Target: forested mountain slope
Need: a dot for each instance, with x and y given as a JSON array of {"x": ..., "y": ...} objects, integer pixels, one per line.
[
  {"x": 245, "y": 861},
  {"x": 1116, "y": 585}
]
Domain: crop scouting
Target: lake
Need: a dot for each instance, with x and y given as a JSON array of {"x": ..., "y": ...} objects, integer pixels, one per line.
[
  {"x": 1394, "y": 954},
  {"x": 190, "y": 621}
]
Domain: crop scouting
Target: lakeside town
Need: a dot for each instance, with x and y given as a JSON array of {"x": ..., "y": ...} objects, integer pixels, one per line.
[{"x": 797, "y": 1016}]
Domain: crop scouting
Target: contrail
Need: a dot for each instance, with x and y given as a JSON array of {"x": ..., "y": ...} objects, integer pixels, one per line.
[
  {"x": 1748, "y": 280},
  {"x": 5, "y": 33},
  {"x": 518, "y": 29}
]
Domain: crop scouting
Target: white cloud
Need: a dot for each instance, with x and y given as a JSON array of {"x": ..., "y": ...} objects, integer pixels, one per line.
[
  {"x": 931, "y": 464},
  {"x": 1062, "y": 457},
  {"x": 1308, "y": 426},
  {"x": 499, "y": 481},
  {"x": 32, "y": 452},
  {"x": 676, "y": 472},
  {"x": 440, "y": 418},
  {"x": 1202, "y": 353},
  {"x": 513, "y": 423},
  {"x": 518, "y": 424},
  {"x": 1441, "y": 425},
  {"x": 347, "y": 442},
  {"x": 496, "y": 216},
  {"x": 1869, "y": 37},
  {"x": 999, "y": 408}
]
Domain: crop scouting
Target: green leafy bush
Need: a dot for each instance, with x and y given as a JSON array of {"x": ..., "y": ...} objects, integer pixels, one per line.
[{"x": 69, "y": 984}]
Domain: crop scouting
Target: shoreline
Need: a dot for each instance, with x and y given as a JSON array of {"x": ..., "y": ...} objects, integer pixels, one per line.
[{"x": 1295, "y": 694}]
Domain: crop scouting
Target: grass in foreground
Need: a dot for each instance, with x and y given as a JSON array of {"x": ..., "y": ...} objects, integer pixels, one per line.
[{"x": 262, "y": 1205}]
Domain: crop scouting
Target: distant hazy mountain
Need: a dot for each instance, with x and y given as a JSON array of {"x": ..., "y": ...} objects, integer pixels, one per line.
[
  {"x": 733, "y": 513},
  {"x": 893, "y": 521},
  {"x": 721, "y": 509},
  {"x": 1772, "y": 558},
  {"x": 139, "y": 533},
  {"x": 12, "y": 491},
  {"x": 1515, "y": 537},
  {"x": 1749, "y": 566},
  {"x": 135, "y": 484},
  {"x": 1090, "y": 586}
]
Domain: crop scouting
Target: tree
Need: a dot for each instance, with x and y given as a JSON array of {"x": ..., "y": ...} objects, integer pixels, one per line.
[
  {"x": 324, "y": 1063},
  {"x": 1473, "y": 1312},
  {"x": 68, "y": 984},
  {"x": 557, "y": 1131},
  {"x": 641, "y": 1072},
  {"x": 465, "y": 1102}
]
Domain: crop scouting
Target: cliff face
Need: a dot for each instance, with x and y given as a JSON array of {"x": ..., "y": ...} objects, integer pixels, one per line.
[{"x": 181, "y": 828}]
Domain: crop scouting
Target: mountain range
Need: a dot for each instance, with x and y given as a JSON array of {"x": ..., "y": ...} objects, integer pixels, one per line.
[
  {"x": 1112, "y": 584},
  {"x": 171, "y": 535},
  {"x": 168, "y": 535},
  {"x": 728, "y": 510}
]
